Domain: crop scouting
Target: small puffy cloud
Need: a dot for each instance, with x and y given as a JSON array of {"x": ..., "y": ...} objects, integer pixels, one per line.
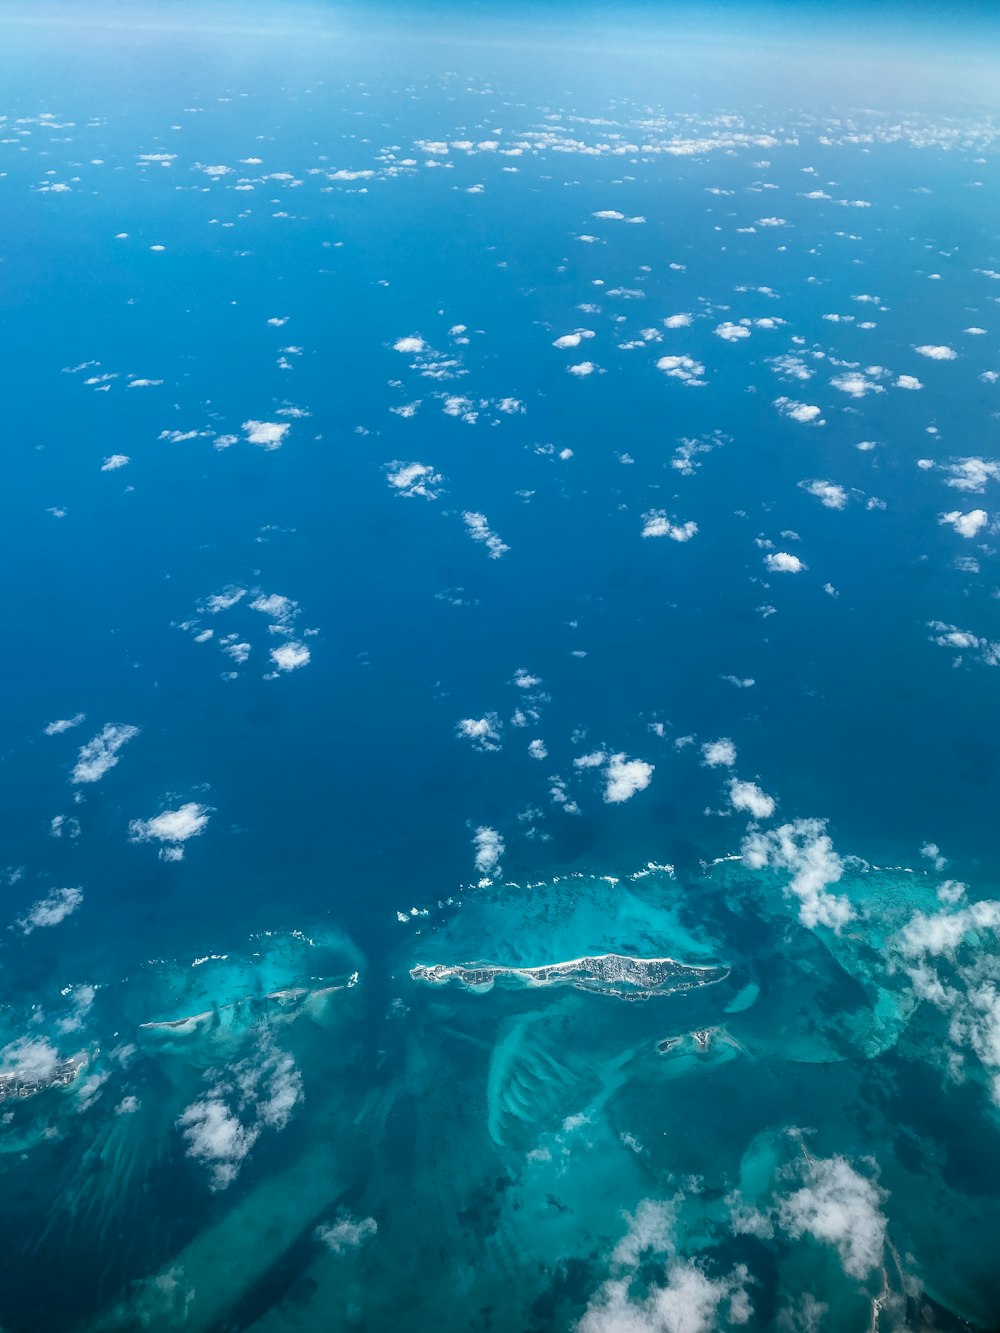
[
  {"x": 115, "y": 461},
  {"x": 103, "y": 752},
  {"x": 218, "y": 1137},
  {"x": 347, "y": 1234},
  {"x": 276, "y": 606},
  {"x": 268, "y": 434},
  {"x": 624, "y": 777},
  {"x": 221, "y": 1128},
  {"x": 731, "y": 332},
  {"x": 805, "y": 848},
  {"x": 839, "y": 1206},
  {"x": 683, "y": 368},
  {"x": 573, "y": 339},
  {"x": 483, "y": 732},
  {"x": 936, "y": 352},
  {"x": 479, "y": 531},
  {"x": 592, "y": 760},
  {"x": 64, "y": 724},
  {"x": 966, "y": 525},
  {"x": 828, "y": 493},
  {"x": 172, "y": 828},
  {"x": 656, "y": 524},
  {"x": 524, "y": 680},
  {"x": 412, "y": 345},
  {"x": 29, "y": 1059},
  {"x": 856, "y": 385},
  {"x": 719, "y": 754},
  {"x": 537, "y": 750},
  {"x": 908, "y": 382},
  {"x": 290, "y": 656},
  {"x": 782, "y": 562},
  {"x": 489, "y": 847},
  {"x": 687, "y": 1300},
  {"x": 414, "y": 479},
  {"x": 582, "y": 369},
  {"x": 50, "y": 910},
  {"x": 677, "y": 321},
  {"x": 950, "y": 636},
  {"x": 749, "y": 797},
  {"x": 971, "y": 474},
  {"x": 805, "y": 413}
]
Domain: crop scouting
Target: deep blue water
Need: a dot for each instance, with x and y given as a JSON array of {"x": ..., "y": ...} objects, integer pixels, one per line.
[{"x": 390, "y": 1151}]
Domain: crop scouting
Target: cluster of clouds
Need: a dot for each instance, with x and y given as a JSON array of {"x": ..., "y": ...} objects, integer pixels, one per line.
[
  {"x": 221, "y": 1128},
  {"x": 833, "y": 1204},
  {"x": 281, "y": 612},
  {"x": 347, "y": 1234},
  {"x": 488, "y": 846},
  {"x": 803, "y": 848},
  {"x": 414, "y": 479},
  {"x": 686, "y": 1300},
  {"x": 55, "y": 907},
  {"x": 657, "y": 524},
  {"x": 623, "y": 777},
  {"x": 964, "y": 641},
  {"x": 480, "y": 531},
  {"x": 172, "y": 829},
  {"x": 949, "y": 958},
  {"x": 99, "y": 755}
]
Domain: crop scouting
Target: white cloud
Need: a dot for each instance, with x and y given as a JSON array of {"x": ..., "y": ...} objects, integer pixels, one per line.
[
  {"x": 828, "y": 493},
  {"x": 656, "y": 524},
  {"x": 64, "y": 724},
  {"x": 966, "y": 525},
  {"x": 689, "y": 1301},
  {"x": 804, "y": 847},
  {"x": 731, "y": 332},
  {"x": 276, "y": 606},
  {"x": 172, "y": 828},
  {"x": 683, "y": 368},
  {"x": 537, "y": 750},
  {"x": 624, "y": 777},
  {"x": 950, "y": 636},
  {"x": 593, "y": 760},
  {"x": 414, "y": 479},
  {"x": 268, "y": 434},
  {"x": 840, "y": 1207},
  {"x": 972, "y": 474},
  {"x": 290, "y": 656},
  {"x": 677, "y": 321},
  {"x": 479, "y": 531},
  {"x": 56, "y": 906},
  {"x": 524, "y": 680},
  {"x": 489, "y": 847},
  {"x": 748, "y": 796},
  {"x": 719, "y": 754},
  {"x": 347, "y": 1234},
  {"x": 115, "y": 461},
  {"x": 781, "y": 562},
  {"x": 805, "y": 413},
  {"x": 102, "y": 753},
  {"x": 413, "y": 345},
  {"x": 908, "y": 382},
  {"x": 30, "y": 1059},
  {"x": 573, "y": 339},
  {"x": 484, "y": 732},
  {"x": 263, "y": 1094},
  {"x": 582, "y": 369},
  {"x": 856, "y": 385},
  {"x": 936, "y": 352}
]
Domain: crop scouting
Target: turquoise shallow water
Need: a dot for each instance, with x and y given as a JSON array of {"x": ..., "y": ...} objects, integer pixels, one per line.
[{"x": 499, "y": 718}]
